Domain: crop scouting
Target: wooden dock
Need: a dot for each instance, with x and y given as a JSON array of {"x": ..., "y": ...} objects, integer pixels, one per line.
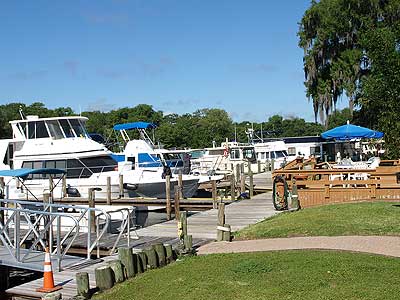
[{"x": 201, "y": 225}]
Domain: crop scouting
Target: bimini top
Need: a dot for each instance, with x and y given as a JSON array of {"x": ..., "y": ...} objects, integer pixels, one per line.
[
  {"x": 135, "y": 125},
  {"x": 24, "y": 173}
]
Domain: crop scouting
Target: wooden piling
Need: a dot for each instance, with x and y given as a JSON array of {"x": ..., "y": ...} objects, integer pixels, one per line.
[
  {"x": 233, "y": 188},
  {"x": 176, "y": 202},
  {"x": 64, "y": 186},
  {"x": 272, "y": 165},
  {"x": 125, "y": 255},
  {"x": 242, "y": 168},
  {"x": 82, "y": 284},
  {"x": 48, "y": 234},
  {"x": 51, "y": 187},
  {"x": 121, "y": 186},
  {"x": 251, "y": 187},
  {"x": 117, "y": 270},
  {"x": 214, "y": 193},
  {"x": 142, "y": 261},
  {"x": 180, "y": 185},
  {"x": 188, "y": 242},
  {"x": 183, "y": 220},
  {"x": 104, "y": 278},
  {"x": 258, "y": 166},
  {"x": 169, "y": 253},
  {"x": 221, "y": 220},
  {"x": 226, "y": 236},
  {"x": 108, "y": 190},
  {"x": 4, "y": 278},
  {"x": 168, "y": 196},
  {"x": 161, "y": 255},
  {"x": 248, "y": 167},
  {"x": 91, "y": 203},
  {"x": 242, "y": 183},
  {"x": 237, "y": 173},
  {"x": 152, "y": 262}
]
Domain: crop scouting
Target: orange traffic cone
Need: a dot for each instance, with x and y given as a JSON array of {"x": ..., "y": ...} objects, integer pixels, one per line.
[{"x": 48, "y": 281}]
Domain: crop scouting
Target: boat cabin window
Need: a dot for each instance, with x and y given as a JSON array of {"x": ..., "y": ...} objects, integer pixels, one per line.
[
  {"x": 75, "y": 168},
  {"x": 249, "y": 153},
  {"x": 55, "y": 129},
  {"x": 292, "y": 151},
  {"x": 235, "y": 154},
  {"x": 8, "y": 157}
]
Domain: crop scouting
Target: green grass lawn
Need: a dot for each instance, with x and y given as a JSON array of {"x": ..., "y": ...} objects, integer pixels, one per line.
[
  {"x": 367, "y": 218},
  {"x": 280, "y": 275}
]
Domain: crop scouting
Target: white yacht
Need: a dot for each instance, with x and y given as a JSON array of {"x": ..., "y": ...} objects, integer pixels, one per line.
[
  {"x": 220, "y": 160},
  {"x": 63, "y": 143}
]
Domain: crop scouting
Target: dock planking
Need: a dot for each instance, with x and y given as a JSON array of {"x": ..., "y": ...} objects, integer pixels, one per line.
[{"x": 201, "y": 225}]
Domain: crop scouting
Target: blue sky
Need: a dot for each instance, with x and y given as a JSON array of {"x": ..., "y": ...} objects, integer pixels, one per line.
[{"x": 179, "y": 56}]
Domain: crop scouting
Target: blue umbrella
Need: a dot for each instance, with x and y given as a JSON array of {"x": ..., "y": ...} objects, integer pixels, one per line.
[{"x": 349, "y": 131}]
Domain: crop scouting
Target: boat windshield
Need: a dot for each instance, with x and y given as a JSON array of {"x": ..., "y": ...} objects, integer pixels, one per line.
[
  {"x": 73, "y": 128},
  {"x": 280, "y": 154},
  {"x": 55, "y": 129}
]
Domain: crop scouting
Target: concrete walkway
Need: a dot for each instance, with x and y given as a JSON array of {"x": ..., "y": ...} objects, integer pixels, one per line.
[
  {"x": 203, "y": 225},
  {"x": 383, "y": 245}
]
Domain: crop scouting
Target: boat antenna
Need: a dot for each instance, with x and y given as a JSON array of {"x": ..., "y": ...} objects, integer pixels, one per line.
[{"x": 21, "y": 113}]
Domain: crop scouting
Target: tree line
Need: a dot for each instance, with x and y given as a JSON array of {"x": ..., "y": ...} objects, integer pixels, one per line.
[{"x": 191, "y": 130}]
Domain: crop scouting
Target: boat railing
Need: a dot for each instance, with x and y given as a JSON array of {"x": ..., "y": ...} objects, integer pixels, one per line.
[{"x": 42, "y": 225}]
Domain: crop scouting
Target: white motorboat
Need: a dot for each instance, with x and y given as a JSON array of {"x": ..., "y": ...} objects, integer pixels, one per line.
[{"x": 63, "y": 143}]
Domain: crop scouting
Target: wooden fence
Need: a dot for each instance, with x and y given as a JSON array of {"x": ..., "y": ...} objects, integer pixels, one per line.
[{"x": 326, "y": 186}]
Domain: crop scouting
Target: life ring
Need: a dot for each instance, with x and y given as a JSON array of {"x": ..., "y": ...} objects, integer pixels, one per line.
[{"x": 280, "y": 193}]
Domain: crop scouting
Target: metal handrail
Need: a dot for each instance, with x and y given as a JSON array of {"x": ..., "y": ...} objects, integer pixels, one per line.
[
  {"x": 15, "y": 248},
  {"x": 47, "y": 210},
  {"x": 125, "y": 225}
]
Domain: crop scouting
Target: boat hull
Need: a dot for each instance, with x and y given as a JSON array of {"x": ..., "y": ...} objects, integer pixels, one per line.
[{"x": 158, "y": 190}]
